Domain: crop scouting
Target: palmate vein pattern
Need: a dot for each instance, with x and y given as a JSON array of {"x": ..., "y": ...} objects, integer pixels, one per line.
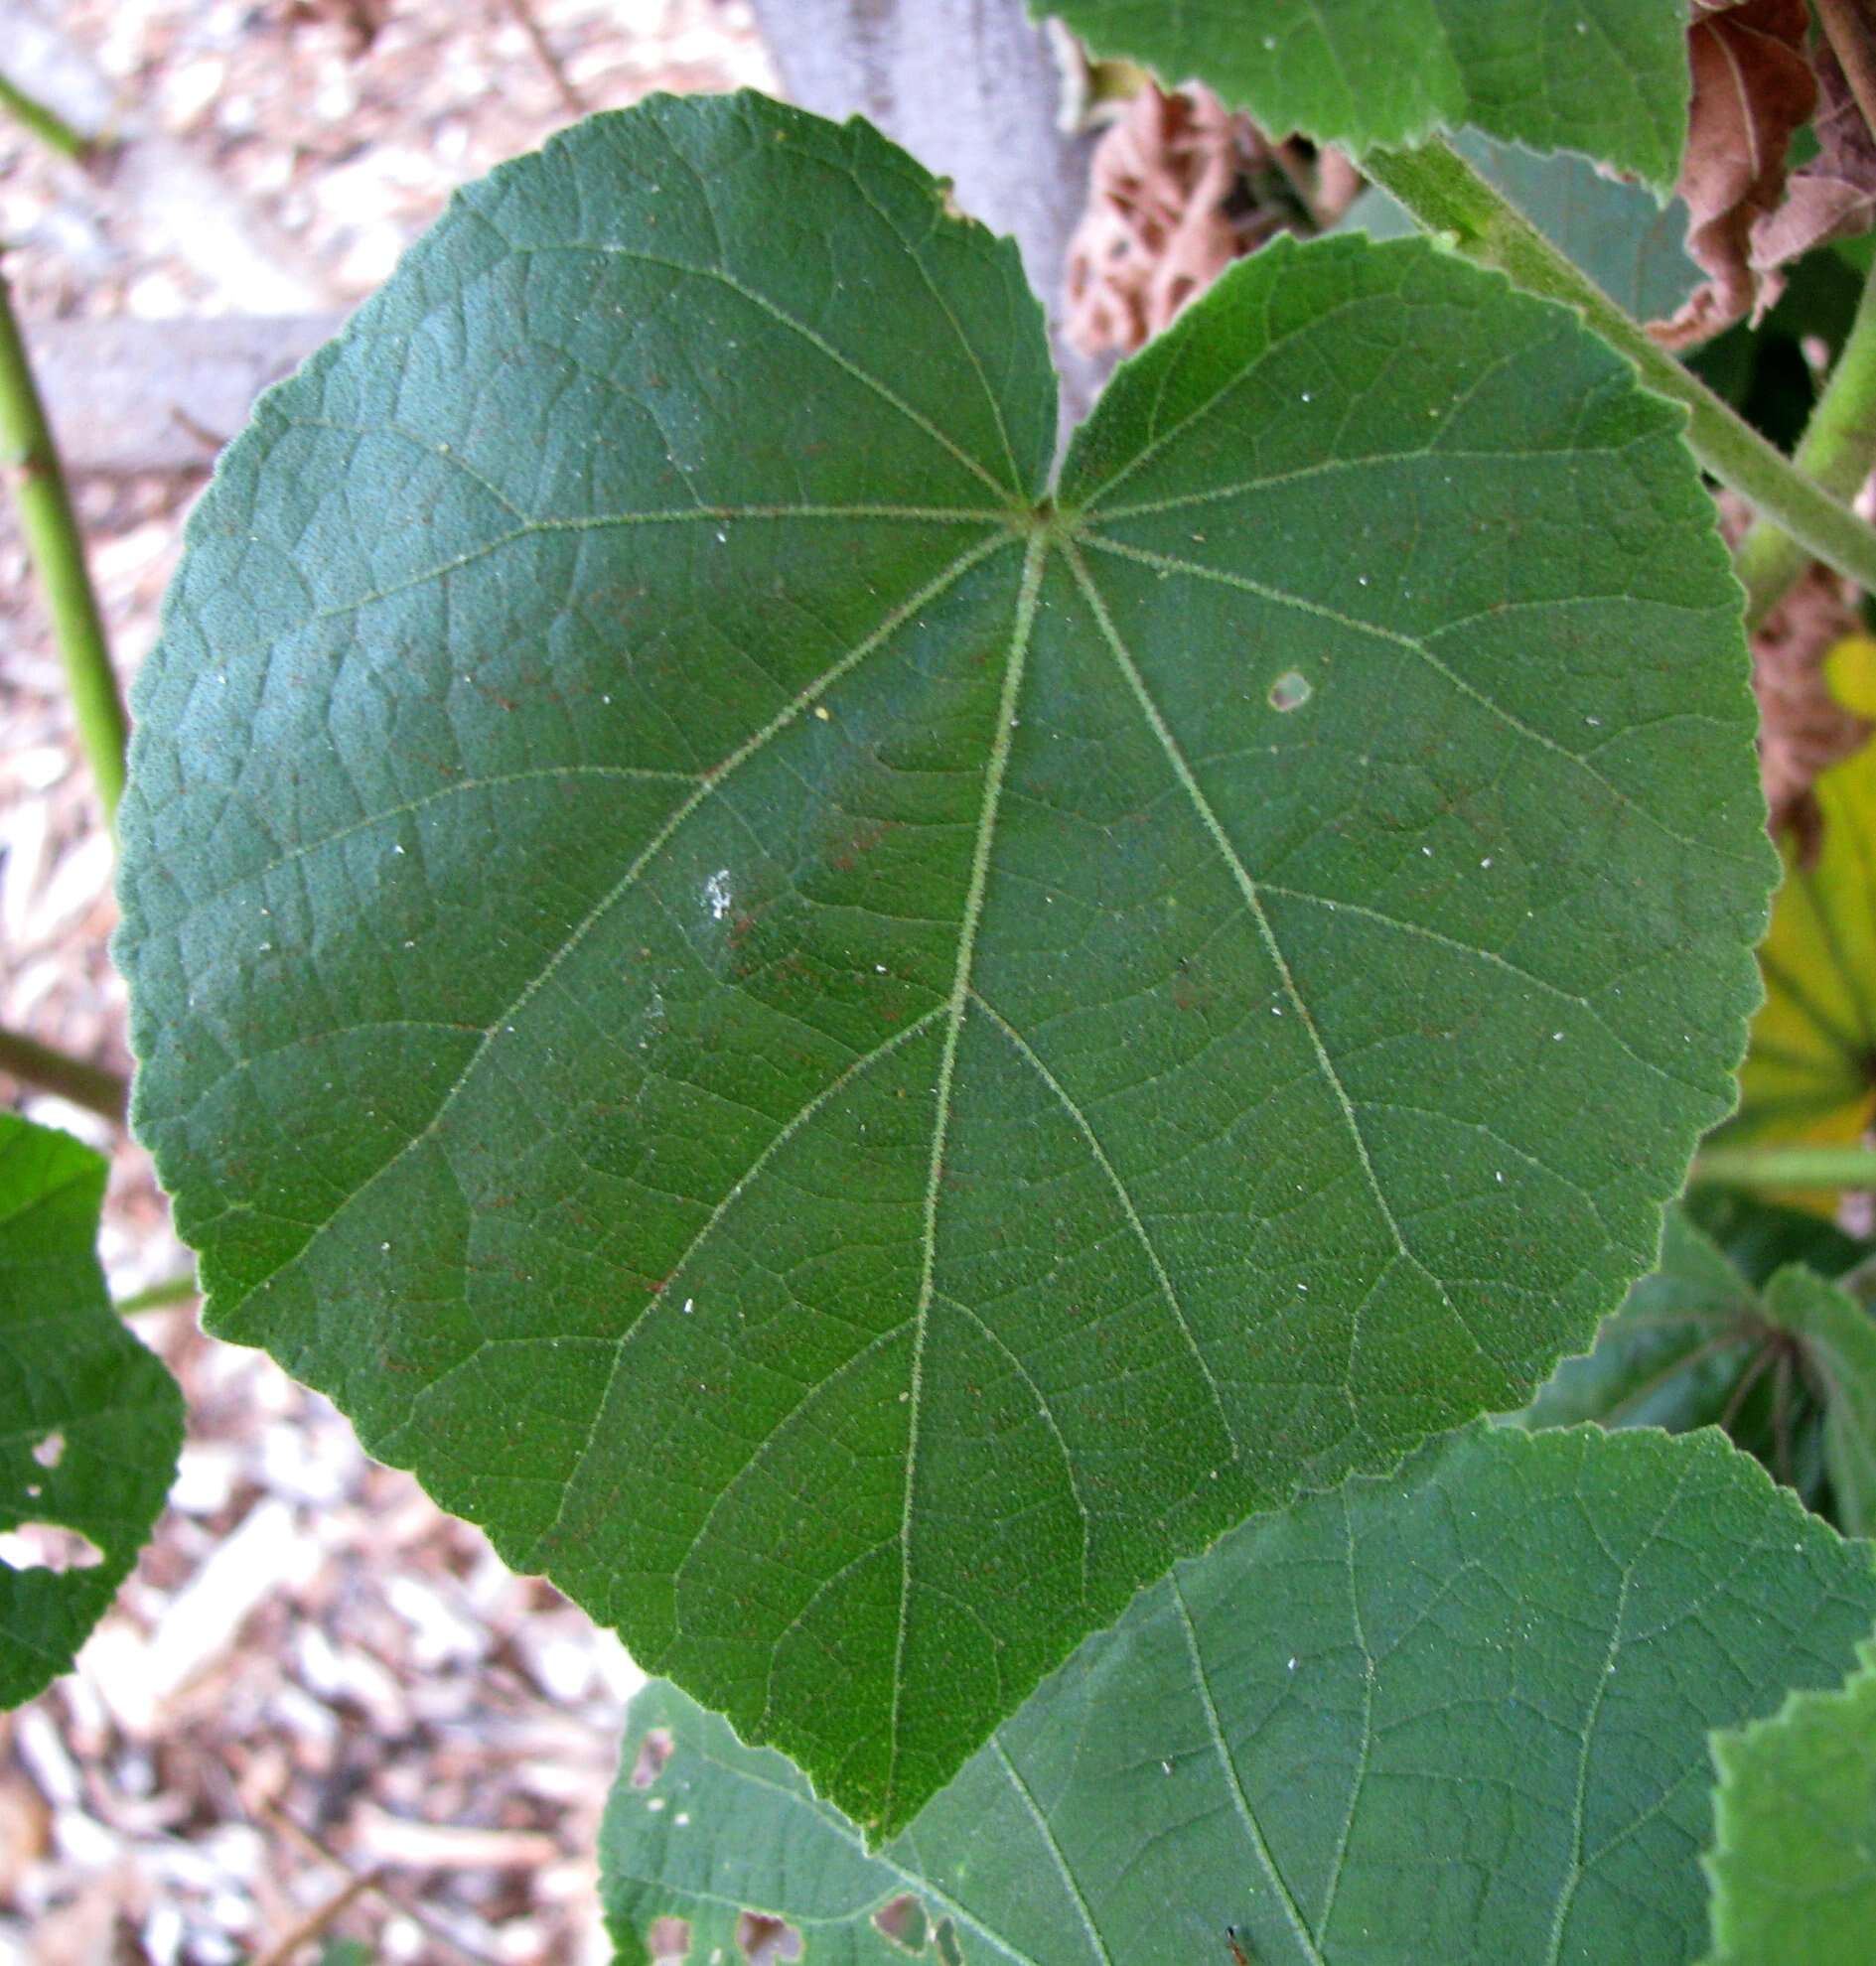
[
  {"x": 1461, "y": 1712},
  {"x": 853, "y": 1054}
]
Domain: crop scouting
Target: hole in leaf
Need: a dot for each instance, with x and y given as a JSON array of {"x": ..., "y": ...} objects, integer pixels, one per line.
[
  {"x": 51, "y": 1450},
  {"x": 49, "y": 1546},
  {"x": 668, "y": 1940},
  {"x": 765, "y": 1941},
  {"x": 653, "y": 1751},
  {"x": 1291, "y": 691},
  {"x": 902, "y": 1921},
  {"x": 944, "y": 1937}
]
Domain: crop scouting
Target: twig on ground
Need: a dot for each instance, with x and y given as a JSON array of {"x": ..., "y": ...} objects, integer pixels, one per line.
[
  {"x": 391, "y": 1894},
  {"x": 524, "y": 13},
  {"x": 96, "y": 1087},
  {"x": 317, "y": 1922}
]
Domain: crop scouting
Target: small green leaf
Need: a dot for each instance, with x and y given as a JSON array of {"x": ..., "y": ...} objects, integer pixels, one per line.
[
  {"x": 90, "y": 1422},
  {"x": 1460, "y": 1715},
  {"x": 1793, "y": 1870},
  {"x": 1761, "y": 1237},
  {"x": 1607, "y": 77},
  {"x": 1788, "y": 1368},
  {"x": 853, "y": 1055},
  {"x": 1672, "y": 1354},
  {"x": 1631, "y": 245},
  {"x": 1838, "y": 1348}
]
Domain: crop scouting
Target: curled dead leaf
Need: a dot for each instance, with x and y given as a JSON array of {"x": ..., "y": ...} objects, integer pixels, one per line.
[
  {"x": 1804, "y": 726},
  {"x": 1834, "y": 195},
  {"x": 1753, "y": 88},
  {"x": 1178, "y": 187}
]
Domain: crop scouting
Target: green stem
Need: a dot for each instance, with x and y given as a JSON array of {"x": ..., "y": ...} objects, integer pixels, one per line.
[
  {"x": 94, "y": 1087},
  {"x": 1786, "y": 1167},
  {"x": 30, "y": 459},
  {"x": 1450, "y": 198},
  {"x": 48, "y": 125},
  {"x": 160, "y": 1296},
  {"x": 1836, "y": 451}
]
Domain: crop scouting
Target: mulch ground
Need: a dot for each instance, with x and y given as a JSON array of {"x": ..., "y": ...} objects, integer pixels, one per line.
[{"x": 314, "y": 1674}]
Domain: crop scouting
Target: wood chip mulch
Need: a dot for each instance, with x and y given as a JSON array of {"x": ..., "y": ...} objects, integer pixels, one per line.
[{"x": 315, "y": 1676}]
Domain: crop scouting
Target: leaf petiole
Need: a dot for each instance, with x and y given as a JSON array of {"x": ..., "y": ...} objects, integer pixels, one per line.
[{"x": 1452, "y": 200}]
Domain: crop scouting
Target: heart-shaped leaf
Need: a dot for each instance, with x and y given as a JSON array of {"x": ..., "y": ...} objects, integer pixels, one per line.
[
  {"x": 852, "y": 1054},
  {"x": 1607, "y": 77},
  {"x": 1795, "y": 1867},
  {"x": 1458, "y": 1716},
  {"x": 90, "y": 1422}
]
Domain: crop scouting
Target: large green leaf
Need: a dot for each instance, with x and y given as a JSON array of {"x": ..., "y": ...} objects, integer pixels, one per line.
[
  {"x": 1460, "y": 1716},
  {"x": 1795, "y": 1867},
  {"x": 90, "y": 1422},
  {"x": 851, "y": 1054},
  {"x": 1631, "y": 246},
  {"x": 1607, "y": 77}
]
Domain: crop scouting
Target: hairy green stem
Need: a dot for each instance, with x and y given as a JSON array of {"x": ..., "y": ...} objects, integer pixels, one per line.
[
  {"x": 94, "y": 1087},
  {"x": 1837, "y": 451},
  {"x": 29, "y": 460},
  {"x": 1452, "y": 200},
  {"x": 46, "y": 124},
  {"x": 1786, "y": 1167}
]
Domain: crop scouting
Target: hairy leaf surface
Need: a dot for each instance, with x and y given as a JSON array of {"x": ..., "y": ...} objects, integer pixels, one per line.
[
  {"x": 1607, "y": 77},
  {"x": 1460, "y": 1715},
  {"x": 1795, "y": 1867},
  {"x": 852, "y": 1054},
  {"x": 90, "y": 1422}
]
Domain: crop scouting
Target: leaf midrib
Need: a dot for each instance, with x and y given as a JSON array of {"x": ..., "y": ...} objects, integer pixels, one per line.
[{"x": 1015, "y": 665}]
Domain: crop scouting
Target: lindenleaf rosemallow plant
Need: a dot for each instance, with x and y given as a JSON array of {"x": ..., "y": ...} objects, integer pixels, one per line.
[{"x": 883, "y": 1056}]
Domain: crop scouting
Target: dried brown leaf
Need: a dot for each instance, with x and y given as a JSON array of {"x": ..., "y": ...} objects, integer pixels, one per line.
[
  {"x": 1834, "y": 195},
  {"x": 1753, "y": 88},
  {"x": 1802, "y": 728},
  {"x": 1155, "y": 231},
  {"x": 1178, "y": 187},
  {"x": 361, "y": 21}
]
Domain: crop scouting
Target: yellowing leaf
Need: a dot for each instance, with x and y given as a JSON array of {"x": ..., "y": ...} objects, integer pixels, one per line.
[{"x": 1809, "y": 1077}]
